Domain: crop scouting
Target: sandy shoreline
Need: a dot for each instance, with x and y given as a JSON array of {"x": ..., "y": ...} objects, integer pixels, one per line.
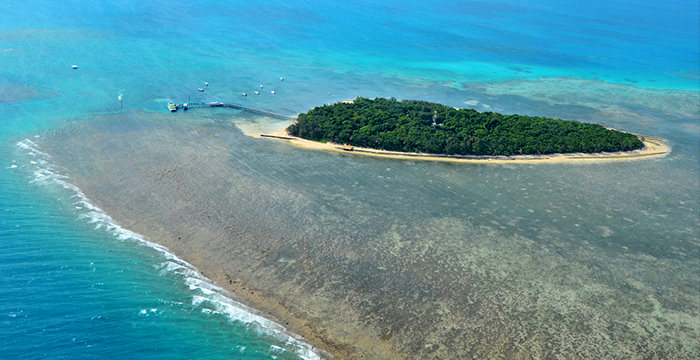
[{"x": 653, "y": 147}]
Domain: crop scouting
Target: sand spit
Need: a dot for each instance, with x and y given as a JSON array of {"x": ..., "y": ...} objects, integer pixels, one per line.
[{"x": 653, "y": 147}]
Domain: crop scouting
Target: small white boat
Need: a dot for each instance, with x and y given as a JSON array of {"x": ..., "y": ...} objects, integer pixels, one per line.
[
  {"x": 281, "y": 79},
  {"x": 172, "y": 107},
  {"x": 200, "y": 89},
  {"x": 185, "y": 106},
  {"x": 244, "y": 94},
  {"x": 75, "y": 67},
  {"x": 272, "y": 92},
  {"x": 121, "y": 98},
  {"x": 261, "y": 86},
  {"x": 257, "y": 92},
  {"x": 206, "y": 83}
]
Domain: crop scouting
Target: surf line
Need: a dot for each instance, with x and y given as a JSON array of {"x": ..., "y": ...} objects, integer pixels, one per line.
[{"x": 203, "y": 289}]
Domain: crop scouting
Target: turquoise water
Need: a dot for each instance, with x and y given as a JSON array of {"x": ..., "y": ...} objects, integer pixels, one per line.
[{"x": 71, "y": 290}]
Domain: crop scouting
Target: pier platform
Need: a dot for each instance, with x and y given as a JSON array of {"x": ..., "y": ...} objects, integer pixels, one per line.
[{"x": 214, "y": 104}]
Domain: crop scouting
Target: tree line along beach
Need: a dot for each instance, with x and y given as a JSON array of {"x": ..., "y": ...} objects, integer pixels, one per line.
[{"x": 424, "y": 130}]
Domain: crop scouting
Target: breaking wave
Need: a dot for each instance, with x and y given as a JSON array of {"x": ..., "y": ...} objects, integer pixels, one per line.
[{"x": 204, "y": 291}]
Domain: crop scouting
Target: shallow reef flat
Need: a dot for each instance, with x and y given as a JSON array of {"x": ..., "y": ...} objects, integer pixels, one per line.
[{"x": 387, "y": 259}]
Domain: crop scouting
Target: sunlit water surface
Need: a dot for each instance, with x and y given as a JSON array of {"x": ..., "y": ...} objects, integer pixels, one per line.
[{"x": 379, "y": 257}]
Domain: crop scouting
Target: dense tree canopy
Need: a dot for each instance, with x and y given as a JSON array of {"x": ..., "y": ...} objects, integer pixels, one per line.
[{"x": 420, "y": 126}]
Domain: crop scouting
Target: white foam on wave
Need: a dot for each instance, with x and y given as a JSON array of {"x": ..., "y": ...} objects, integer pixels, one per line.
[
  {"x": 277, "y": 348},
  {"x": 204, "y": 291}
]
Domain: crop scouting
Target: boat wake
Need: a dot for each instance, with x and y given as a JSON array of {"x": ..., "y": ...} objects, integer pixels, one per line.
[{"x": 205, "y": 294}]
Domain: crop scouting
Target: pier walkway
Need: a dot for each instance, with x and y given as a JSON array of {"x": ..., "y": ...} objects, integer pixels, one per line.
[{"x": 214, "y": 104}]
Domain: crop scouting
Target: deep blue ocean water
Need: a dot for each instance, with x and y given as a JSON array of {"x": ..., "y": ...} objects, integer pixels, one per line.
[{"x": 71, "y": 290}]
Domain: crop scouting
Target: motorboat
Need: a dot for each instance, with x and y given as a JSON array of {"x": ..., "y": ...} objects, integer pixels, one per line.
[{"x": 172, "y": 107}]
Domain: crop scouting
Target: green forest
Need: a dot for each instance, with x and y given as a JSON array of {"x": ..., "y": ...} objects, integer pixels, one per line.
[{"x": 420, "y": 126}]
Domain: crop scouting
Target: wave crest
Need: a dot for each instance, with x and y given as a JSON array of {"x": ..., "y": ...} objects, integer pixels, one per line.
[{"x": 204, "y": 291}]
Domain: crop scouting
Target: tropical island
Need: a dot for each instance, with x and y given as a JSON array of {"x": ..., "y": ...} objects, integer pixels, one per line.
[{"x": 413, "y": 126}]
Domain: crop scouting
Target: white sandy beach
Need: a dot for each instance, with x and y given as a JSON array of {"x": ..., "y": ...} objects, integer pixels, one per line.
[{"x": 653, "y": 147}]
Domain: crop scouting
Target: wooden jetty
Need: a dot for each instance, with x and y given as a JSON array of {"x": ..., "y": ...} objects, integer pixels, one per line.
[{"x": 215, "y": 104}]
